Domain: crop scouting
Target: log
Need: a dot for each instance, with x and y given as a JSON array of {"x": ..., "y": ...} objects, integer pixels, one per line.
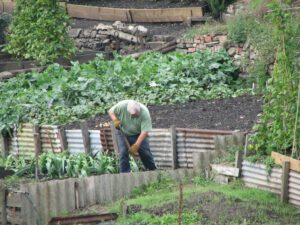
[{"x": 123, "y": 36}]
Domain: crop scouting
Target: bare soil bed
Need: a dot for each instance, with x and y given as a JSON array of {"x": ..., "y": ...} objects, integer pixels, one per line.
[
  {"x": 223, "y": 114},
  {"x": 139, "y": 4}
]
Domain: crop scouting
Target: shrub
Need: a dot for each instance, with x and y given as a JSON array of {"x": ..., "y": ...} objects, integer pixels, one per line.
[
  {"x": 39, "y": 31},
  {"x": 217, "y": 7},
  {"x": 5, "y": 19}
]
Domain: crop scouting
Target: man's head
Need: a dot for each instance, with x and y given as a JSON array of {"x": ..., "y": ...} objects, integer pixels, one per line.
[{"x": 133, "y": 108}]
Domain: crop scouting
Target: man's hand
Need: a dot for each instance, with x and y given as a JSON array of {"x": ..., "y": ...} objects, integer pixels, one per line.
[
  {"x": 117, "y": 123},
  {"x": 133, "y": 150}
]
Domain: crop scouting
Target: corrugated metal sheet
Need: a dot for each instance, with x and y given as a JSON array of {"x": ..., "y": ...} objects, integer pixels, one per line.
[
  {"x": 75, "y": 141},
  {"x": 193, "y": 140},
  {"x": 294, "y": 188},
  {"x": 160, "y": 145},
  {"x": 50, "y": 139},
  {"x": 45, "y": 199},
  {"x": 255, "y": 175},
  {"x": 22, "y": 142}
]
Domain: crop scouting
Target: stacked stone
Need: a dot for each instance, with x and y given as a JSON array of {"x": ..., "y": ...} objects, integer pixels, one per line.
[
  {"x": 213, "y": 42},
  {"x": 106, "y": 37},
  {"x": 243, "y": 54}
]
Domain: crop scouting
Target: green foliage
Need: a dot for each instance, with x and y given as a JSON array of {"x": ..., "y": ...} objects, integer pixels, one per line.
[
  {"x": 278, "y": 129},
  {"x": 5, "y": 19},
  {"x": 59, "y": 165},
  {"x": 258, "y": 33},
  {"x": 39, "y": 31},
  {"x": 58, "y": 96},
  {"x": 217, "y": 7},
  {"x": 240, "y": 27},
  {"x": 270, "y": 163}
]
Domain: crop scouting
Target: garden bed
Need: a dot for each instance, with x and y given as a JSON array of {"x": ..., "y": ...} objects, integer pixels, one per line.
[{"x": 225, "y": 114}]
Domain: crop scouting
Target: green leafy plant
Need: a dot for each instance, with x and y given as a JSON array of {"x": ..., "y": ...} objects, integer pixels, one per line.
[
  {"x": 59, "y": 96},
  {"x": 278, "y": 129},
  {"x": 59, "y": 165},
  {"x": 39, "y": 31}
]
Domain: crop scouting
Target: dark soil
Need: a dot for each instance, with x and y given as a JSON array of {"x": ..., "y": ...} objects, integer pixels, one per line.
[
  {"x": 216, "y": 208},
  {"x": 139, "y": 4},
  {"x": 223, "y": 114},
  {"x": 174, "y": 29}
]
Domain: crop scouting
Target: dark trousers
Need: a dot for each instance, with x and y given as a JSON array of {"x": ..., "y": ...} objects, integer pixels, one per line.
[{"x": 144, "y": 152}]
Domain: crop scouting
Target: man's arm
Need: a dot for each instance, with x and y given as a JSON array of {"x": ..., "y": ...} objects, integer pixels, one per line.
[
  {"x": 115, "y": 119},
  {"x": 112, "y": 116},
  {"x": 141, "y": 138}
]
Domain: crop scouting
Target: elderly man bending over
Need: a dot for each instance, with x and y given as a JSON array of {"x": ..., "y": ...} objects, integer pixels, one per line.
[{"x": 133, "y": 118}]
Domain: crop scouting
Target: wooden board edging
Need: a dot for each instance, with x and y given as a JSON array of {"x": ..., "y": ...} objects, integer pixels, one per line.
[
  {"x": 125, "y": 15},
  {"x": 279, "y": 159}
]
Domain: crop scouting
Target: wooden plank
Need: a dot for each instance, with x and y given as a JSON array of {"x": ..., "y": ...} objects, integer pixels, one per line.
[
  {"x": 115, "y": 141},
  {"x": 4, "y": 145},
  {"x": 226, "y": 170},
  {"x": 85, "y": 137},
  {"x": 62, "y": 138},
  {"x": 279, "y": 159},
  {"x": 165, "y": 15},
  {"x": 97, "y": 13},
  {"x": 37, "y": 148},
  {"x": 238, "y": 159},
  {"x": 285, "y": 181},
  {"x": 174, "y": 147}
]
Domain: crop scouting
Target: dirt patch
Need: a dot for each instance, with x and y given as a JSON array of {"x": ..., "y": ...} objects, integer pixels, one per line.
[
  {"x": 216, "y": 208},
  {"x": 140, "y": 4},
  {"x": 223, "y": 114}
]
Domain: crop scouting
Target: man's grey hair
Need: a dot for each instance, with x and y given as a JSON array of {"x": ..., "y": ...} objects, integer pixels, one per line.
[{"x": 133, "y": 107}]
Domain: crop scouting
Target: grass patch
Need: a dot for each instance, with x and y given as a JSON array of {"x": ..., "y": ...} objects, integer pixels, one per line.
[
  {"x": 205, "y": 202},
  {"x": 206, "y": 28}
]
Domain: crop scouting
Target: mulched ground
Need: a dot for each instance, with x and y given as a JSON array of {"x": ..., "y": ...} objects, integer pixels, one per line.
[
  {"x": 223, "y": 114},
  {"x": 139, "y": 4}
]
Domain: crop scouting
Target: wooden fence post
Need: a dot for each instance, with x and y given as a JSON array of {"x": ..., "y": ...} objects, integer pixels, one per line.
[
  {"x": 86, "y": 137},
  {"x": 238, "y": 159},
  {"x": 285, "y": 181},
  {"x": 4, "y": 145},
  {"x": 3, "y": 203},
  {"x": 174, "y": 147},
  {"x": 114, "y": 139},
  {"x": 37, "y": 148},
  {"x": 63, "y": 139}
]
